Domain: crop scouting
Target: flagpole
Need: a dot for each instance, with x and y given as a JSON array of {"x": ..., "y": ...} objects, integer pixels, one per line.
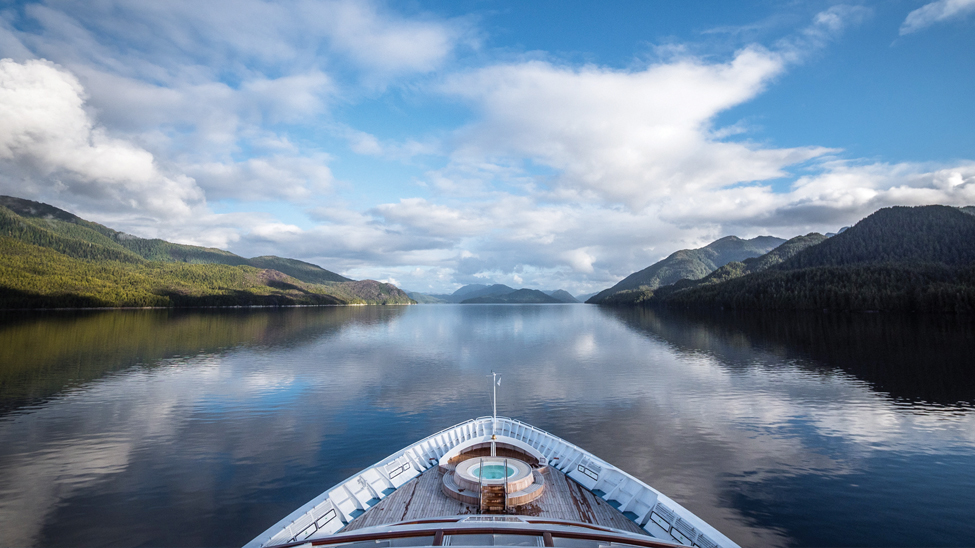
[
  {"x": 494, "y": 388},
  {"x": 494, "y": 416}
]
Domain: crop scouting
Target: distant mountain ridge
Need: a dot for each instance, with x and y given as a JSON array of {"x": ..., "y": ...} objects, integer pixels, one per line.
[
  {"x": 423, "y": 298},
  {"x": 734, "y": 269},
  {"x": 52, "y": 258},
  {"x": 691, "y": 264},
  {"x": 919, "y": 259},
  {"x": 519, "y": 296},
  {"x": 494, "y": 293},
  {"x": 562, "y": 296}
]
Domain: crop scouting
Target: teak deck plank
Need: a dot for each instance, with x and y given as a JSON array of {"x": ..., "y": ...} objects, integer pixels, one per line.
[{"x": 563, "y": 499}]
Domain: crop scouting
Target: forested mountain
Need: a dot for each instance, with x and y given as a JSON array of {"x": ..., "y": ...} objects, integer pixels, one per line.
[
  {"x": 899, "y": 258},
  {"x": 904, "y": 235},
  {"x": 562, "y": 296},
  {"x": 423, "y": 298},
  {"x": 469, "y": 291},
  {"x": 734, "y": 269},
  {"x": 691, "y": 264},
  {"x": 520, "y": 296},
  {"x": 496, "y": 293},
  {"x": 35, "y": 217},
  {"x": 52, "y": 258}
]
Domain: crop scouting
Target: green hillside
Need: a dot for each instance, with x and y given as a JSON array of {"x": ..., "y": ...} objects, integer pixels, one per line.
[
  {"x": 920, "y": 288},
  {"x": 520, "y": 296},
  {"x": 423, "y": 298},
  {"x": 904, "y": 235},
  {"x": 35, "y": 222},
  {"x": 732, "y": 270},
  {"x": 51, "y": 258},
  {"x": 691, "y": 264},
  {"x": 901, "y": 258},
  {"x": 475, "y": 291},
  {"x": 562, "y": 295},
  {"x": 305, "y": 272}
]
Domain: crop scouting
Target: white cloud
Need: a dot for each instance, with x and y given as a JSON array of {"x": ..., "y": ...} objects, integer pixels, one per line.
[
  {"x": 383, "y": 43},
  {"x": 275, "y": 231},
  {"x": 580, "y": 260},
  {"x": 53, "y": 147},
  {"x": 629, "y": 137},
  {"x": 180, "y": 38},
  {"x": 841, "y": 193},
  {"x": 214, "y": 90},
  {"x": 368, "y": 144},
  {"x": 936, "y": 12},
  {"x": 433, "y": 219},
  {"x": 264, "y": 178}
]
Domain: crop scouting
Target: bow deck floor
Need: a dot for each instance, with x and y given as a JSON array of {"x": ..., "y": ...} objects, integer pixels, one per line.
[{"x": 563, "y": 499}]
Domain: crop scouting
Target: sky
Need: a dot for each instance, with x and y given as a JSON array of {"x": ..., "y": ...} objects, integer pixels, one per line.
[{"x": 433, "y": 144}]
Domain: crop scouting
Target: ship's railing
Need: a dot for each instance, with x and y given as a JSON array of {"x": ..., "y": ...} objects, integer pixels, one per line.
[
  {"x": 334, "y": 509},
  {"x": 652, "y": 510}
]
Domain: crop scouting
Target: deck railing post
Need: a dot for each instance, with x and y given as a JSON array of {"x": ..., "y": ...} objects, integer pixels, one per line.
[{"x": 505, "y": 472}]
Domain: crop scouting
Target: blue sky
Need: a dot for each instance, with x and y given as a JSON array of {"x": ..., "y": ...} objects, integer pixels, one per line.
[{"x": 435, "y": 144}]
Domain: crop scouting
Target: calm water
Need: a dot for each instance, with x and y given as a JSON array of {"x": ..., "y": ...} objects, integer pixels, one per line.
[{"x": 155, "y": 428}]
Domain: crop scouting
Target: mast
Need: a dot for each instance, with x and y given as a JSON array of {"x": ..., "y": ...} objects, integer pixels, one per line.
[
  {"x": 495, "y": 382},
  {"x": 494, "y": 389}
]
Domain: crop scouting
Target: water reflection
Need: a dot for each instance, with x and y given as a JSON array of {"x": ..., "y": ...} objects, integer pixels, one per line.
[
  {"x": 203, "y": 428},
  {"x": 913, "y": 358},
  {"x": 42, "y": 353}
]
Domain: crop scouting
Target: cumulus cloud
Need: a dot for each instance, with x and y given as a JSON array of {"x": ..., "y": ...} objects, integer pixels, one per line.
[
  {"x": 49, "y": 146},
  {"x": 630, "y": 137},
  {"x": 433, "y": 219},
  {"x": 380, "y": 42},
  {"x": 216, "y": 89},
  {"x": 936, "y": 12},
  {"x": 841, "y": 193},
  {"x": 262, "y": 178}
]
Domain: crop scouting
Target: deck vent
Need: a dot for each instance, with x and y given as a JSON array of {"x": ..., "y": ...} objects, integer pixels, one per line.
[
  {"x": 684, "y": 532},
  {"x": 705, "y": 542},
  {"x": 663, "y": 516}
]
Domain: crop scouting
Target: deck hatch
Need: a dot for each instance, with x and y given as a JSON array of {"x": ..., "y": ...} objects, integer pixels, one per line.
[
  {"x": 588, "y": 471},
  {"x": 398, "y": 470},
  {"x": 327, "y": 517},
  {"x": 659, "y": 520}
]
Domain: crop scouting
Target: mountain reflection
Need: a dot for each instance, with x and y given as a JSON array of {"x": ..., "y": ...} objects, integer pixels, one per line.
[
  {"x": 203, "y": 428},
  {"x": 42, "y": 354},
  {"x": 915, "y": 358}
]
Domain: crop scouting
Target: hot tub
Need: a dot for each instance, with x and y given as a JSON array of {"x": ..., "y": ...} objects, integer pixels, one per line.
[{"x": 472, "y": 473}]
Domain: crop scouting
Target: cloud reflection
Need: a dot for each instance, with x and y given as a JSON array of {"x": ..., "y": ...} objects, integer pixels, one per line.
[{"x": 227, "y": 440}]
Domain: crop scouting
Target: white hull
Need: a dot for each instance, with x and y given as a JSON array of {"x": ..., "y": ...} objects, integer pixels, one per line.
[{"x": 654, "y": 512}]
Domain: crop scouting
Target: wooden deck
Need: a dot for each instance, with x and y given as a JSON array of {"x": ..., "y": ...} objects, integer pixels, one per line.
[{"x": 563, "y": 499}]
